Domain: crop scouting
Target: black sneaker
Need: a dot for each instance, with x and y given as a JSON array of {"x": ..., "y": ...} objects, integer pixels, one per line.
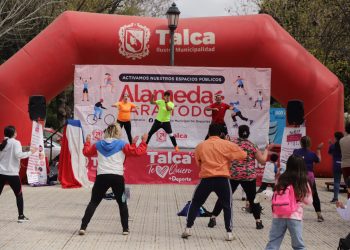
[
  {"x": 126, "y": 232},
  {"x": 259, "y": 225},
  {"x": 22, "y": 219},
  {"x": 212, "y": 222}
]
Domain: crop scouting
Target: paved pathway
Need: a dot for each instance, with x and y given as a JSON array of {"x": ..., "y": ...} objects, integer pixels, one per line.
[{"x": 55, "y": 216}]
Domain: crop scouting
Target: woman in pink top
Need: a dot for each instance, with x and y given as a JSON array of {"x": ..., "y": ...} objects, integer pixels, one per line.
[{"x": 295, "y": 175}]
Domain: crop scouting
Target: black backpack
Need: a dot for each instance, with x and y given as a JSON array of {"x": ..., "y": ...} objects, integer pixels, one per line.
[{"x": 344, "y": 243}]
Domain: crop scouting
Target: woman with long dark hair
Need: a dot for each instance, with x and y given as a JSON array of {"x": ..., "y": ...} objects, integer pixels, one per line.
[
  {"x": 243, "y": 172},
  {"x": 310, "y": 159},
  {"x": 295, "y": 176},
  {"x": 334, "y": 150},
  {"x": 10, "y": 156}
]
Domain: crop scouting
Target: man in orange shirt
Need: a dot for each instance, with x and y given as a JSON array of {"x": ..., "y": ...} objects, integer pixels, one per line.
[
  {"x": 214, "y": 157},
  {"x": 124, "y": 115}
]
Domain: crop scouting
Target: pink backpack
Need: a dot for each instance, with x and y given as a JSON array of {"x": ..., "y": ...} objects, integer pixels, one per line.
[{"x": 284, "y": 203}]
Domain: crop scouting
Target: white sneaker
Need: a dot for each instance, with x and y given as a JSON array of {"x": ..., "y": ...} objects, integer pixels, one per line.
[
  {"x": 81, "y": 232},
  {"x": 186, "y": 233},
  {"x": 229, "y": 236},
  {"x": 22, "y": 219}
]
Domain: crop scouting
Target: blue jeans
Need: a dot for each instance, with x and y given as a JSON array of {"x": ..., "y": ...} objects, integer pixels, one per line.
[
  {"x": 97, "y": 112},
  {"x": 278, "y": 230},
  {"x": 337, "y": 177}
]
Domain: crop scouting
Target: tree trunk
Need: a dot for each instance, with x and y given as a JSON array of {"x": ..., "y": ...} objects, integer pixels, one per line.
[{"x": 65, "y": 105}]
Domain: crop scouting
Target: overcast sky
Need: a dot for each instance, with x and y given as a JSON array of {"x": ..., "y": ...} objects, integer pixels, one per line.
[{"x": 203, "y": 8}]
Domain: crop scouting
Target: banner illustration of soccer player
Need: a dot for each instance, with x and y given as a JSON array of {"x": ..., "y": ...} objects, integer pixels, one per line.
[{"x": 236, "y": 112}]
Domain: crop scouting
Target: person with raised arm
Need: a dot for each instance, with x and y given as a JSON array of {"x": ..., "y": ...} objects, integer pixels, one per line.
[
  {"x": 218, "y": 109},
  {"x": 111, "y": 152},
  {"x": 214, "y": 157},
  {"x": 10, "y": 156},
  {"x": 243, "y": 172},
  {"x": 124, "y": 114},
  {"x": 311, "y": 159},
  {"x": 165, "y": 107}
]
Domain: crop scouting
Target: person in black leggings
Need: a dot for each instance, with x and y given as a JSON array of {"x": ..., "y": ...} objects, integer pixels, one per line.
[
  {"x": 165, "y": 107},
  {"x": 244, "y": 173},
  {"x": 10, "y": 155},
  {"x": 111, "y": 152},
  {"x": 311, "y": 159},
  {"x": 124, "y": 115}
]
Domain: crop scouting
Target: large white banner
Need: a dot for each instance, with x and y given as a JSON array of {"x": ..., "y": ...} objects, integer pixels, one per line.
[
  {"x": 36, "y": 170},
  {"x": 290, "y": 141},
  {"x": 193, "y": 89}
]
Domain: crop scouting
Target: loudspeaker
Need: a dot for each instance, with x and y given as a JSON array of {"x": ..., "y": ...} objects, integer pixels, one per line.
[
  {"x": 37, "y": 107},
  {"x": 295, "y": 112}
]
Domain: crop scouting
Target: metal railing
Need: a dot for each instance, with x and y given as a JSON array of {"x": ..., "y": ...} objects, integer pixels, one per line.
[{"x": 50, "y": 139}]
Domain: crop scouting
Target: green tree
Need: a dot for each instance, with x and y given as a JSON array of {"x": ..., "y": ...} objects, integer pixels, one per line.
[
  {"x": 61, "y": 107},
  {"x": 322, "y": 27},
  {"x": 22, "y": 20}
]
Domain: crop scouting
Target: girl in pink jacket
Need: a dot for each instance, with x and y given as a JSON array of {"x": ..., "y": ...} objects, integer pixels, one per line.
[{"x": 294, "y": 178}]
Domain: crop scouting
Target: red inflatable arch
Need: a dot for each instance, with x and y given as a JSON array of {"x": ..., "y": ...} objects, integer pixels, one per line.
[{"x": 45, "y": 66}]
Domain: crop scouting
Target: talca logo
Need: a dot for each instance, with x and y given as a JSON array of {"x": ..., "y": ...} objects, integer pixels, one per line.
[
  {"x": 161, "y": 136},
  {"x": 134, "y": 40}
]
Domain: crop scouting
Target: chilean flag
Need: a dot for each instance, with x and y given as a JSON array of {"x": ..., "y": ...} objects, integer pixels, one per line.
[{"x": 72, "y": 163}]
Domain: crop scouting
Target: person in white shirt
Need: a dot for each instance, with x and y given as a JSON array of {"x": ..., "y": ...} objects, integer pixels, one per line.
[
  {"x": 270, "y": 172},
  {"x": 10, "y": 156},
  {"x": 344, "y": 210}
]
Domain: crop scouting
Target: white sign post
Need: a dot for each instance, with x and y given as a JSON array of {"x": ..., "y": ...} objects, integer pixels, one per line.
[
  {"x": 36, "y": 170},
  {"x": 290, "y": 141}
]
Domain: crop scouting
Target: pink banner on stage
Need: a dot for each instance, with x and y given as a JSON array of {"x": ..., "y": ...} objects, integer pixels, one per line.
[{"x": 162, "y": 167}]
